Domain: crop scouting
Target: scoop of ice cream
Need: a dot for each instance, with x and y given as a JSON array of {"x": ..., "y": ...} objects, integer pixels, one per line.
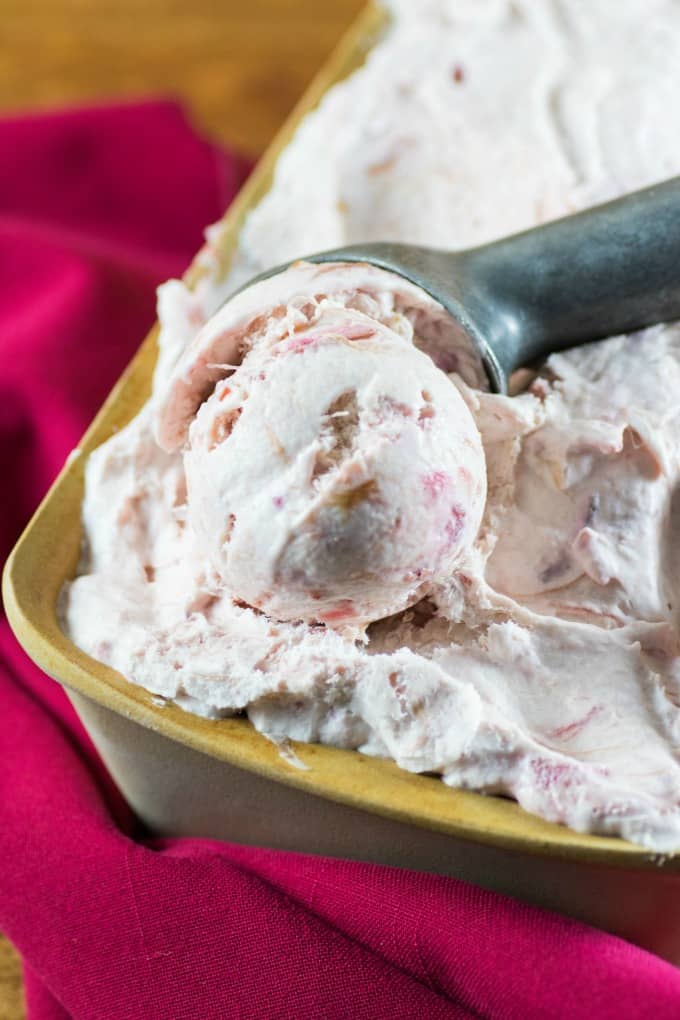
[{"x": 335, "y": 473}]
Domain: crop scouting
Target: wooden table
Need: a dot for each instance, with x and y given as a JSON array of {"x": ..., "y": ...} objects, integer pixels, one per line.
[{"x": 239, "y": 65}]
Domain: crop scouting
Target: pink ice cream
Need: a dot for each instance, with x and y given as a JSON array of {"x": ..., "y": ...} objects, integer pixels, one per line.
[{"x": 336, "y": 472}]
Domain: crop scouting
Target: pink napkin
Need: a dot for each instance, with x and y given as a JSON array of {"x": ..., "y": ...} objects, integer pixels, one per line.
[{"x": 96, "y": 207}]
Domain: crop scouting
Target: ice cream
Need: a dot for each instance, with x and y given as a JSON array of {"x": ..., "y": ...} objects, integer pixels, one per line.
[
  {"x": 541, "y": 656},
  {"x": 334, "y": 472}
]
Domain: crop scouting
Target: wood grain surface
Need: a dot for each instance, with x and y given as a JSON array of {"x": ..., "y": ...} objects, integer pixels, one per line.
[
  {"x": 11, "y": 993},
  {"x": 239, "y": 66}
]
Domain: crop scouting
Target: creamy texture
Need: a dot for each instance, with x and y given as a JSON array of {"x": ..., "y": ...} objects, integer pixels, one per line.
[{"x": 545, "y": 663}]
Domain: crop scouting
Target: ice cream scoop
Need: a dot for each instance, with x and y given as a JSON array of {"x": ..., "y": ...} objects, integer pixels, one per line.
[
  {"x": 335, "y": 473},
  {"x": 611, "y": 269}
]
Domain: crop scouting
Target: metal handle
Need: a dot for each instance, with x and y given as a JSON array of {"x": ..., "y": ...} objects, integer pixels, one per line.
[{"x": 609, "y": 270}]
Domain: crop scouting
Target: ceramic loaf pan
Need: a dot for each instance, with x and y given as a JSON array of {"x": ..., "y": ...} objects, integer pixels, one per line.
[{"x": 190, "y": 776}]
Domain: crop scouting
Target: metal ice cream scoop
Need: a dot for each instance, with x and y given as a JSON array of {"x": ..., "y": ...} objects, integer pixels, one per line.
[{"x": 611, "y": 269}]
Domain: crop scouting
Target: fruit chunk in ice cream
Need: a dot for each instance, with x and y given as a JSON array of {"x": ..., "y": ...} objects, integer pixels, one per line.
[{"x": 335, "y": 473}]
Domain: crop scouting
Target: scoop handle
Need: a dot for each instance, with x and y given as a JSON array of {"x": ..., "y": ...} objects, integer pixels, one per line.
[{"x": 612, "y": 269}]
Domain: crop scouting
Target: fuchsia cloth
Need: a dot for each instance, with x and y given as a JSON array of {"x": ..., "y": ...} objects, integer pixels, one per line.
[{"x": 96, "y": 207}]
